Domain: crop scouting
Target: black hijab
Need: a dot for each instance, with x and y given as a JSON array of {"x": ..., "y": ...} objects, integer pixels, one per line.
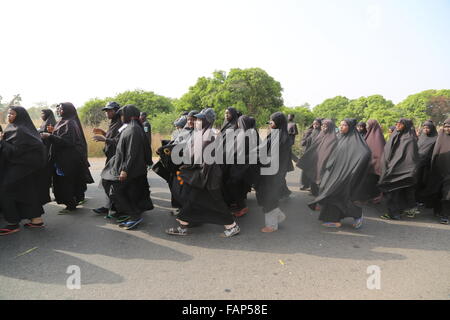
[
  {"x": 311, "y": 134},
  {"x": 439, "y": 181},
  {"x": 400, "y": 159},
  {"x": 49, "y": 120},
  {"x": 426, "y": 143},
  {"x": 346, "y": 167},
  {"x": 314, "y": 159},
  {"x": 22, "y": 131},
  {"x": 376, "y": 142},
  {"x": 29, "y": 154},
  {"x": 364, "y": 126},
  {"x": 71, "y": 123},
  {"x": 232, "y": 124}
]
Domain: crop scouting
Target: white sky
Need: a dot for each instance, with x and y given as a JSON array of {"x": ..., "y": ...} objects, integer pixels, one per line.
[{"x": 62, "y": 50}]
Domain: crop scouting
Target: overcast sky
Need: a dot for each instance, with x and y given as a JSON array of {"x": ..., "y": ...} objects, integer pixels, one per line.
[{"x": 56, "y": 51}]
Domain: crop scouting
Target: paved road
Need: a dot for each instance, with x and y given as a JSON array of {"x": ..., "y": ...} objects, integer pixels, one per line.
[{"x": 302, "y": 260}]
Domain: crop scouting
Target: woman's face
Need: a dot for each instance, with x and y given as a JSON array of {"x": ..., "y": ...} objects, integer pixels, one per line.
[
  {"x": 316, "y": 125},
  {"x": 190, "y": 122},
  {"x": 43, "y": 116},
  {"x": 447, "y": 129},
  {"x": 324, "y": 127},
  {"x": 400, "y": 126},
  {"x": 426, "y": 130},
  {"x": 59, "y": 111},
  {"x": 360, "y": 128},
  {"x": 272, "y": 124},
  {"x": 343, "y": 128},
  {"x": 228, "y": 115},
  {"x": 12, "y": 115}
]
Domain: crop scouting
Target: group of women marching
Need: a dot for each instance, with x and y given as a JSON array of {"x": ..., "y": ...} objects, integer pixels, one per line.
[
  {"x": 344, "y": 168},
  {"x": 348, "y": 167}
]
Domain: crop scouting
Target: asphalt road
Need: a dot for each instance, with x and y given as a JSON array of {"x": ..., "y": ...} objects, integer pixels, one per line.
[{"x": 303, "y": 260}]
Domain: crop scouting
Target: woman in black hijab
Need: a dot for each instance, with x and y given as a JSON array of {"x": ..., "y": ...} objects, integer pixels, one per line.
[
  {"x": 269, "y": 187},
  {"x": 398, "y": 171},
  {"x": 307, "y": 140},
  {"x": 315, "y": 158},
  {"x": 362, "y": 128},
  {"x": 242, "y": 175},
  {"x": 48, "y": 119},
  {"x": 231, "y": 119},
  {"x": 438, "y": 188},
  {"x": 376, "y": 142},
  {"x": 69, "y": 158},
  {"x": 344, "y": 172},
  {"x": 125, "y": 174},
  {"x": 203, "y": 199},
  {"x": 426, "y": 142},
  {"x": 22, "y": 163}
]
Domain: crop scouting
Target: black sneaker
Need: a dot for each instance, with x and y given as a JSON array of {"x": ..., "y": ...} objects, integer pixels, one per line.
[{"x": 101, "y": 210}]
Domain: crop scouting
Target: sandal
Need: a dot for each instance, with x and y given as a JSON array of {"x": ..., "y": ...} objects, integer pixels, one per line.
[
  {"x": 268, "y": 230},
  {"x": 9, "y": 229},
  {"x": 178, "y": 231},
  {"x": 34, "y": 225},
  {"x": 332, "y": 224},
  {"x": 240, "y": 213}
]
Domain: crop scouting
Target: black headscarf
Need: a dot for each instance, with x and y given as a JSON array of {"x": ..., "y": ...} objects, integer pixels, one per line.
[
  {"x": 439, "y": 180},
  {"x": 232, "y": 124},
  {"x": 49, "y": 120},
  {"x": 112, "y": 135},
  {"x": 426, "y": 143},
  {"x": 246, "y": 122},
  {"x": 346, "y": 168},
  {"x": 311, "y": 134},
  {"x": 364, "y": 126},
  {"x": 314, "y": 159},
  {"x": 376, "y": 142},
  {"x": 22, "y": 131},
  {"x": 400, "y": 159},
  {"x": 71, "y": 123},
  {"x": 29, "y": 154}
]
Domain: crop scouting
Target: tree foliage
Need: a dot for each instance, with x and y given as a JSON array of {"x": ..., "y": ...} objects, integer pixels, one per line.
[{"x": 252, "y": 91}]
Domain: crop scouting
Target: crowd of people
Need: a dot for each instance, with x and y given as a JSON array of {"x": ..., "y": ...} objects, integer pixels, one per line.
[{"x": 344, "y": 167}]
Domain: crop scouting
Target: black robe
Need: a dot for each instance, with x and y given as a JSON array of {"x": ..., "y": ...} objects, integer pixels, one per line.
[
  {"x": 203, "y": 190},
  {"x": 308, "y": 137},
  {"x": 22, "y": 165},
  {"x": 344, "y": 173},
  {"x": 425, "y": 145},
  {"x": 132, "y": 196},
  {"x": 68, "y": 158},
  {"x": 112, "y": 137},
  {"x": 315, "y": 158},
  {"x": 438, "y": 184},
  {"x": 270, "y": 187}
]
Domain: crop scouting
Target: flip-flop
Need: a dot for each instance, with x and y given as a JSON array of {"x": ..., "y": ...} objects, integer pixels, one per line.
[
  {"x": 34, "y": 225},
  {"x": 332, "y": 224}
]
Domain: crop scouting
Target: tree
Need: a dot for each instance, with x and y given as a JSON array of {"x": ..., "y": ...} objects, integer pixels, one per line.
[
  {"x": 303, "y": 115},
  {"x": 333, "y": 108},
  {"x": 251, "y": 91},
  {"x": 429, "y": 104},
  {"x": 91, "y": 112}
]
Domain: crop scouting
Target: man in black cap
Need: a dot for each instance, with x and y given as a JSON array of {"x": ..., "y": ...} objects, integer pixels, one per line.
[{"x": 110, "y": 138}]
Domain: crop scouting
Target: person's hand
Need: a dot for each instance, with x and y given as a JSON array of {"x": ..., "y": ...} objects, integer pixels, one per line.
[
  {"x": 99, "y": 131},
  {"x": 50, "y": 129},
  {"x": 45, "y": 135},
  {"x": 123, "y": 176},
  {"x": 99, "y": 138}
]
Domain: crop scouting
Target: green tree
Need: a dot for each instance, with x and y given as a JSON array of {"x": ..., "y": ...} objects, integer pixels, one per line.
[
  {"x": 252, "y": 91},
  {"x": 429, "y": 104},
  {"x": 333, "y": 108},
  {"x": 303, "y": 115},
  {"x": 146, "y": 101},
  {"x": 91, "y": 112}
]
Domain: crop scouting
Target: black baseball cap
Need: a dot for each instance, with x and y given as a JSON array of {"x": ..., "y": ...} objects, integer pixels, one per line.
[{"x": 111, "y": 106}]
